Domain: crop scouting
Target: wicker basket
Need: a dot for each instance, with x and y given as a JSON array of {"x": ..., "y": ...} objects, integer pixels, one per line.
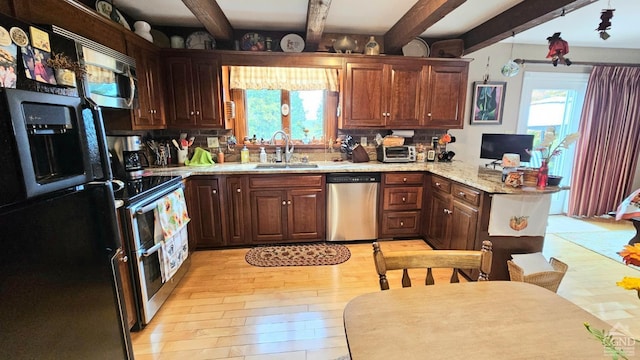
[
  {"x": 391, "y": 140},
  {"x": 547, "y": 279}
]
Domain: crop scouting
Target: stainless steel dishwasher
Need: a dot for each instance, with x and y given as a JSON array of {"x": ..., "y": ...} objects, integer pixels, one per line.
[{"x": 352, "y": 206}]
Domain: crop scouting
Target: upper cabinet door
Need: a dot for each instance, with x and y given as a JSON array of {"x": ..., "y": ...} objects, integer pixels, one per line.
[
  {"x": 206, "y": 89},
  {"x": 405, "y": 96},
  {"x": 446, "y": 96},
  {"x": 364, "y": 98},
  {"x": 180, "y": 92}
]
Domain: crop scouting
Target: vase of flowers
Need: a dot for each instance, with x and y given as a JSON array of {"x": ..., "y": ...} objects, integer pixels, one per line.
[{"x": 549, "y": 148}]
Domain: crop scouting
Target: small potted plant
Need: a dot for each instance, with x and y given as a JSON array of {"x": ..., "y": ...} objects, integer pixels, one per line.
[{"x": 66, "y": 70}]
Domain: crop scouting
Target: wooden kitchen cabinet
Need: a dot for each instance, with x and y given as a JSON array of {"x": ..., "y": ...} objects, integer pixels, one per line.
[
  {"x": 445, "y": 95},
  {"x": 287, "y": 208},
  {"x": 193, "y": 91},
  {"x": 379, "y": 94},
  {"x": 405, "y": 93},
  {"x": 401, "y": 204},
  {"x": 150, "y": 111},
  {"x": 126, "y": 278},
  {"x": 454, "y": 216},
  {"x": 238, "y": 214},
  {"x": 205, "y": 213}
]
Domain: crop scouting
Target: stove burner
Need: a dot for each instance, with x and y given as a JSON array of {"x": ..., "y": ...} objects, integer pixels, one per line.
[{"x": 140, "y": 188}]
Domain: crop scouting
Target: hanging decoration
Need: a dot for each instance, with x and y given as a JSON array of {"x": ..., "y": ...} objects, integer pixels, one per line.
[
  {"x": 605, "y": 24},
  {"x": 558, "y": 48},
  {"x": 510, "y": 68}
]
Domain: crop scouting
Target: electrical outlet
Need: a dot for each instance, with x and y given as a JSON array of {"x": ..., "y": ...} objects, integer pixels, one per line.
[
  {"x": 212, "y": 142},
  {"x": 363, "y": 141}
]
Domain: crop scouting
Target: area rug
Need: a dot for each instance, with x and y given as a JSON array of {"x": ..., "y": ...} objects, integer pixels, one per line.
[
  {"x": 298, "y": 255},
  {"x": 607, "y": 243}
]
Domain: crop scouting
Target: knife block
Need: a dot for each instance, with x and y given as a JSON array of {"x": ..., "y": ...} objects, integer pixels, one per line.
[{"x": 359, "y": 154}]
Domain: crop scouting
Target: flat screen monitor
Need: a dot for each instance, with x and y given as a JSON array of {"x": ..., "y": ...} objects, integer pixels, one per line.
[{"x": 493, "y": 146}]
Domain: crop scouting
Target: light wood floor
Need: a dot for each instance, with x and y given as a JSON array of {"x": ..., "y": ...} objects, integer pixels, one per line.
[{"x": 227, "y": 309}]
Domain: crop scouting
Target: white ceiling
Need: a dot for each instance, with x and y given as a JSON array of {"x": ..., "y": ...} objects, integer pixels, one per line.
[{"x": 375, "y": 17}]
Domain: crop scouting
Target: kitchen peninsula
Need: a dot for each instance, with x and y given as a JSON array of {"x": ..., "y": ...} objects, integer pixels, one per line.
[{"x": 453, "y": 213}]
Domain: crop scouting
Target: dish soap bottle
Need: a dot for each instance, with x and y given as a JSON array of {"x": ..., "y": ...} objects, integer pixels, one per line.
[
  {"x": 263, "y": 155},
  {"x": 244, "y": 155}
]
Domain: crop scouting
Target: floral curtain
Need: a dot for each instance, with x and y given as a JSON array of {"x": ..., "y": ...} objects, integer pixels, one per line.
[
  {"x": 607, "y": 152},
  {"x": 287, "y": 78}
]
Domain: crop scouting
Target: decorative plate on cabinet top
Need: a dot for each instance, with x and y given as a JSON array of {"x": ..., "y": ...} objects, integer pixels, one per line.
[
  {"x": 200, "y": 40},
  {"x": 292, "y": 43},
  {"x": 252, "y": 42},
  {"x": 160, "y": 39},
  {"x": 105, "y": 8},
  {"x": 416, "y": 47}
]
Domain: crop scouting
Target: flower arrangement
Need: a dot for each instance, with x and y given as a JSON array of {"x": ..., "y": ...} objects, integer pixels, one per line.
[
  {"x": 62, "y": 61},
  {"x": 549, "y": 148},
  {"x": 630, "y": 255}
]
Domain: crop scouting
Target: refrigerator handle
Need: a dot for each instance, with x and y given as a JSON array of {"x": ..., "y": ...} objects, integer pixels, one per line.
[{"x": 102, "y": 138}]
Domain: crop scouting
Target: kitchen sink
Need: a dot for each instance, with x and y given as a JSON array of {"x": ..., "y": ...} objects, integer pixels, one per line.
[{"x": 287, "y": 166}]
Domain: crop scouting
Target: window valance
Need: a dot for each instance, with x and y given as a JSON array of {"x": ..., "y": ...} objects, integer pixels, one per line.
[{"x": 287, "y": 78}]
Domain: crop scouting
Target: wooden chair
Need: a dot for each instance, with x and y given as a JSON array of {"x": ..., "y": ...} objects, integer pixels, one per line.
[{"x": 456, "y": 259}]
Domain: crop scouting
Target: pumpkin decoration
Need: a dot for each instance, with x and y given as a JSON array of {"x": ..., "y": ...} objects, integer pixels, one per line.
[{"x": 518, "y": 223}]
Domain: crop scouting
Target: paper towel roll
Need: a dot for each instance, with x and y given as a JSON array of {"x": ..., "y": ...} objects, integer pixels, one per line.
[{"x": 403, "y": 133}]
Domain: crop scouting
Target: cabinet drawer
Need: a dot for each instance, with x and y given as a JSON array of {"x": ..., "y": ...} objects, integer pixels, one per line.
[
  {"x": 400, "y": 223},
  {"x": 402, "y": 198},
  {"x": 286, "y": 181},
  {"x": 404, "y": 179},
  {"x": 469, "y": 195},
  {"x": 441, "y": 184}
]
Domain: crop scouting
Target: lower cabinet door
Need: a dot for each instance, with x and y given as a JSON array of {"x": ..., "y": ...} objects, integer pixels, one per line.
[
  {"x": 268, "y": 209},
  {"x": 205, "y": 196},
  {"x": 464, "y": 221},
  {"x": 305, "y": 216},
  {"x": 439, "y": 219}
]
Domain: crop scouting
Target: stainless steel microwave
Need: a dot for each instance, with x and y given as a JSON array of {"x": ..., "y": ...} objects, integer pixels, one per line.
[
  {"x": 111, "y": 79},
  {"x": 396, "y": 154}
]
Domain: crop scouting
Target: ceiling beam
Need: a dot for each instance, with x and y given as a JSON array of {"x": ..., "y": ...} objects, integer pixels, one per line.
[
  {"x": 524, "y": 16},
  {"x": 316, "y": 17},
  {"x": 210, "y": 15},
  {"x": 419, "y": 18}
]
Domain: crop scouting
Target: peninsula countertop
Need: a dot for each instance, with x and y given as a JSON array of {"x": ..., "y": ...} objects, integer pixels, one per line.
[{"x": 481, "y": 178}]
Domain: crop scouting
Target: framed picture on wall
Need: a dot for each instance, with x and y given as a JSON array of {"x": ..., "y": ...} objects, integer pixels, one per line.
[{"x": 488, "y": 101}]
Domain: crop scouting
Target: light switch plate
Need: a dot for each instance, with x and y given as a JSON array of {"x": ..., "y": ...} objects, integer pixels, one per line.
[
  {"x": 363, "y": 141},
  {"x": 212, "y": 142}
]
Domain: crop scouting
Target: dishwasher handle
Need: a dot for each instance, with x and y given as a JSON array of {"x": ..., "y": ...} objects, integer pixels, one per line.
[{"x": 353, "y": 178}]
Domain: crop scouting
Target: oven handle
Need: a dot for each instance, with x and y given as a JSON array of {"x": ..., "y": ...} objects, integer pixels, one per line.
[
  {"x": 152, "y": 250},
  {"x": 147, "y": 208}
]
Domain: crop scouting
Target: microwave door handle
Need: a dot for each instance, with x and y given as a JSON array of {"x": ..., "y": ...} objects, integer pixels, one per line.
[{"x": 132, "y": 82}]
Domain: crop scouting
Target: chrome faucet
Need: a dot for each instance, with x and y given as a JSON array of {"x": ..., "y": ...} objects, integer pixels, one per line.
[{"x": 288, "y": 146}]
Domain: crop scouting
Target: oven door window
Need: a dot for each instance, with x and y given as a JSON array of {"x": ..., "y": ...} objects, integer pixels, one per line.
[{"x": 149, "y": 262}]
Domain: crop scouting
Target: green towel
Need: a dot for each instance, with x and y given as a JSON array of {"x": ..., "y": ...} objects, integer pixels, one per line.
[{"x": 201, "y": 157}]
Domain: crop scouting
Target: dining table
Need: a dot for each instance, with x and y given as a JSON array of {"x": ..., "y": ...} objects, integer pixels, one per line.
[{"x": 474, "y": 320}]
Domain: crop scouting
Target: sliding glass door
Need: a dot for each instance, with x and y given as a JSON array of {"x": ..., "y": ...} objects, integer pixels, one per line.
[{"x": 552, "y": 102}]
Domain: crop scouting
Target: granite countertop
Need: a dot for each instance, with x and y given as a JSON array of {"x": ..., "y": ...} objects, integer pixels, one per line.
[{"x": 487, "y": 180}]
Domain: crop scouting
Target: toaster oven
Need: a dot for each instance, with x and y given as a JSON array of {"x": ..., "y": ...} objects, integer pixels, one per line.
[{"x": 396, "y": 154}]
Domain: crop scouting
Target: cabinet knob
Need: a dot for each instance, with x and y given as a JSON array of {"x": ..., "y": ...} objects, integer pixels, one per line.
[
  {"x": 404, "y": 199},
  {"x": 448, "y": 212},
  {"x": 462, "y": 194},
  {"x": 284, "y": 203},
  {"x": 198, "y": 112},
  {"x": 191, "y": 113},
  {"x": 214, "y": 191},
  {"x": 289, "y": 202},
  {"x": 124, "y": 259},
  {"x": 404, "y": 179},
  {"x": 238, "y": 190},
  {"x": 402, "y": 223},
  {"x": 429, "y": 114},
  {"x": 438, "y": 184},
  {"x": 155, "y": 111}
]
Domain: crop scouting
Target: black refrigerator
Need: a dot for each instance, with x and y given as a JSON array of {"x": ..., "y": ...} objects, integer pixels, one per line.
[{"x": 60, "y": 289}]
